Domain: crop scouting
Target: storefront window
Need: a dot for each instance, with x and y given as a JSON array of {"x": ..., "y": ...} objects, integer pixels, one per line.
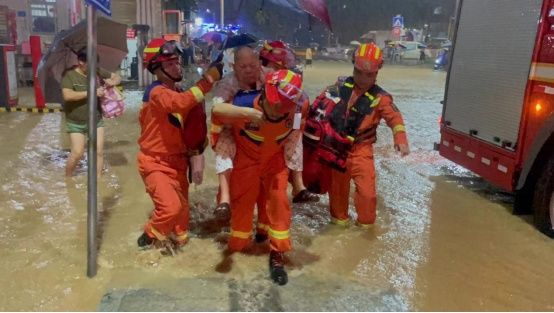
[
  {"x": 171, "y": 18},
  {"x": 44, "y": 16}
]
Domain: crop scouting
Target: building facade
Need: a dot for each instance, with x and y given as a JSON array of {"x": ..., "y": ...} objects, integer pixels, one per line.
[{"x": 20, "y": 19}]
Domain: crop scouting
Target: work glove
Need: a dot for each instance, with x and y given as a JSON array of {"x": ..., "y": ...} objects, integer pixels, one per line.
[{"x": 214, "y": 72}]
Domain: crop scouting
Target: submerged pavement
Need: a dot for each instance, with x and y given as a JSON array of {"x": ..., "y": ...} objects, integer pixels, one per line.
[{"x": 444, "y": 239}]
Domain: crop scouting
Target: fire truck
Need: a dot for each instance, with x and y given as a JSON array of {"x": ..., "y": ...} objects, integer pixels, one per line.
[{"x": 498, "y": 114}]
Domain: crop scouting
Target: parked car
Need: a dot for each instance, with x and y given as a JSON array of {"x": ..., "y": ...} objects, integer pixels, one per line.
[
  {"x": 339, "y": 52},
  {"x": 411, "y": 50},
  {"x": 437, "y": 42}
]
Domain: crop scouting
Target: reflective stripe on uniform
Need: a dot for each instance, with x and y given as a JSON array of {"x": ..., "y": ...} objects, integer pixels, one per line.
[
  {"x": 156, "y": 233},
  {"x": 367, "y": 94},
  {"x": 287, "y": 79},
  {"x": 182, "y": 237},
  {"x": 349, "y": 85},
  {"x": 362, "y": 50},
  {"x": 263, "y": 226},
  {"x": 375, "y": 103},
  {"x": 398, "y": 128},
  {"x": 312, "y": 137},
  {"x": 365, "y": 226},
  {"x": 278, "y": 234},
  {"x": 254, "y": 136},
  {"x": 152, "y": 50},
  {"x": 198, "y": 94},
  {"x": 240, "y": 234},
  {"x": 339, "y": 222},
  {"x": 179, "y": 118},
  {"x": 278, "y": 138},
  {"x": 214, "y": 128},
  {"x": 377, "y": 53}
]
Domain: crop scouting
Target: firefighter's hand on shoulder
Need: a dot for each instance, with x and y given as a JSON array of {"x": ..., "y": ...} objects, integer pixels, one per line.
[
  {"x": 214, "y": 72},
  {"x": 404, "y": 149}
]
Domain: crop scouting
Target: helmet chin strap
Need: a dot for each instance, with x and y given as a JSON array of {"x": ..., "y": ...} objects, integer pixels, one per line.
[{"x": 175, "y": 79}]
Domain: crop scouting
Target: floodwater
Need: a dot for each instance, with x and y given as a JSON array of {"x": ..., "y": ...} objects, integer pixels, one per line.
[{"x": 444, "y": 239}]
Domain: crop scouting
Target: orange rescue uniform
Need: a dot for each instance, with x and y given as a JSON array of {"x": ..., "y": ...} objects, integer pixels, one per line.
[
  {"x": 163, "y": 156},
  {"x": 360, "y": 165},
  {"x": 259, "y": 167}
]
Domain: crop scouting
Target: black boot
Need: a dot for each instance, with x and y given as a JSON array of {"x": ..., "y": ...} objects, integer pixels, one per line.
[
  {"x": 144, "y": 240},
  {"x": 277, "y": 268},
  {"x": 260, "y": 238}
]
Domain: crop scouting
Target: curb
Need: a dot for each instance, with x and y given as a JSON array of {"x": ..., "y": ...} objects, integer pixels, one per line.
[{"x": 30, "y": 110}]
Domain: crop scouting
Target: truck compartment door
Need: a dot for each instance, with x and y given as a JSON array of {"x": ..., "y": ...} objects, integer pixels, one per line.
[{"x": 490, "y": 68}]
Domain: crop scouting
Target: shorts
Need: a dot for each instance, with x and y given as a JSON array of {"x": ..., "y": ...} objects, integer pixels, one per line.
[
  {"x": 308, "y": 61},
  {"x": 225, "y": 150},
  {"x": 81, "y": 128}
]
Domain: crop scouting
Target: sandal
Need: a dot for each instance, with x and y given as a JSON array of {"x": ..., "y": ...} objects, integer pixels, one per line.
[
  {"x": 223, "y": 210},
  {"x": 305, "y": 196}
]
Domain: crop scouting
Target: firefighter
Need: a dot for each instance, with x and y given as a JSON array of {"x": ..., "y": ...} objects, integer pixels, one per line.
[
  {"x": 275, "y": 55},
  {"x": 259, "y": 165},
  {"x": 173, "y": 135},
  {"x": 241, "y": 88},
  {"x": 353, "y": 109}
]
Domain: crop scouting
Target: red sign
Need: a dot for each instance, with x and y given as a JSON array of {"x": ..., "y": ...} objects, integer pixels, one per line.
[
  {"x": 396, "y": 31},
  {"x": 131, "y": 33}
]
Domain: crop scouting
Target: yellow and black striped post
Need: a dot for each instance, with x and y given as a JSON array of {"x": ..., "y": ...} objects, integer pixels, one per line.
[{"x": 30, "y": 110}]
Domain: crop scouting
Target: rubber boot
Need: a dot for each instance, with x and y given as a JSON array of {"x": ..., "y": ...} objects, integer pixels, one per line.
[
  {"x": 277, "y": 268},
  {"x": 260, "y": 237},
  {"x": 145, "y": 241}
]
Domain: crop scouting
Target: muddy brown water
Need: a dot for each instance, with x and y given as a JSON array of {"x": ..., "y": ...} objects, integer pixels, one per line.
[{"x": 444, "y": 239}]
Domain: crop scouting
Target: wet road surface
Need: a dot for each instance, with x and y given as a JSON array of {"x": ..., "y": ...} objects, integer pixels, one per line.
[{"x": 444, "y": 239}]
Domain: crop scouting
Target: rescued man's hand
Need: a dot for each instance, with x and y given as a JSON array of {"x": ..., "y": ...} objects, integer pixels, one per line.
[
  {"x": 404, "y": 149},
  {"x": 197, "y": 168},
  {"x": 100, "y": 92},
  {"x": 109, "y": 82}
]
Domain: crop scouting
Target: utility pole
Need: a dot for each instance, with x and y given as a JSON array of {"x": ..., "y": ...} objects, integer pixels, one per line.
[
  {"x": 92, "y": 101},
  {"x": 222, "y": 5},
  {"x": 92, "y": 210}
]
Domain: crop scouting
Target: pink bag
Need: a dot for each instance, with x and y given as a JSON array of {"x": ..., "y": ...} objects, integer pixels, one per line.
[{"x": 112, "y": 103}]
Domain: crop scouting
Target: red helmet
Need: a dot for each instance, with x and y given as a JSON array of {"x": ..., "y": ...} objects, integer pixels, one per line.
[
  {"x": 285, "y": 87},
  {"x": 276, "y": 52},
  {"x": 158, "y": 51},
  {"x": 368, "y": 58}
]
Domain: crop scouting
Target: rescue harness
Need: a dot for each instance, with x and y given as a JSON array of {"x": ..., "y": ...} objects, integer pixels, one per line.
[{"x": 332, "y": 127}]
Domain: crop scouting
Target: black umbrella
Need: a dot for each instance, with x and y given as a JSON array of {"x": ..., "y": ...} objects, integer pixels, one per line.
[
  {"x": 239, "y": 40},
  {"x": 61, "y": 56},
  {"x": 214, "y": 36}
]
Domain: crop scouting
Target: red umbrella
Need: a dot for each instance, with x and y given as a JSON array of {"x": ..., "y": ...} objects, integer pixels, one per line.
[{"x": 318, "y": 9}]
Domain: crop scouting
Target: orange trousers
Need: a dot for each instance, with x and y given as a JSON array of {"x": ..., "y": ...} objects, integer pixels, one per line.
[
  {"x": 360, "y": 167},
  {"x": 262, "y": 225},
  {"x": 166, "y": 181},
  {"x": 249, "y": 180}
]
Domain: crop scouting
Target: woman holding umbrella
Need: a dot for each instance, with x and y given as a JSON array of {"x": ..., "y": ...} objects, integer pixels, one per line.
[{"x": 74, "y": 87}]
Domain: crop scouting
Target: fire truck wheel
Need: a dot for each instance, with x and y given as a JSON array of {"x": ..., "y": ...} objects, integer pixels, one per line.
[{"x": 543, "y": 200}]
